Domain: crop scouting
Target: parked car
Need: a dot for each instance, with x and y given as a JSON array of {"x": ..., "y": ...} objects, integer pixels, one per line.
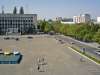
[
  {"x": 1, "y": 52},
  {"x": 0, "y": 49},
  {"x": 98, "y": 46},
  {"x": 97, "y": 52},
  {"x": 51, "y": 33},
  {"x": 72, "y": 43},
  {"x": 6, "y": 38},
  {"x": 17, "y": 39},
  {"x": 29, "y": 37},
  {"x": 62, "y": 42}
]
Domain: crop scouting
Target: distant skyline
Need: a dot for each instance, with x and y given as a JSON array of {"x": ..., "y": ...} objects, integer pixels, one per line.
[{"x": 50, "y": 9}]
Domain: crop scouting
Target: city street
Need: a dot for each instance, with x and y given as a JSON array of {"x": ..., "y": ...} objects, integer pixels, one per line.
[
  {"x": 88, "y": 49},
  {"x": 44, "y": 55}
]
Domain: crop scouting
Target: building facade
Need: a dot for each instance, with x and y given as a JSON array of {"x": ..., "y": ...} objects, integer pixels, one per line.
[
  {"x": 58, "y": 18},
  {"x": 17, "y": 23},
  {"x": 77, "y": 19},
  {"x": 82, "y": 18}
]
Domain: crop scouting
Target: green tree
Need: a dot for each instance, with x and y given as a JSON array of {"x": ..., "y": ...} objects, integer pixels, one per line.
[
  {"x": 42, "y": 25},
  {"x": 21, "y": 10},
  {"x": 88, "y": 37},
  {"x": 47, "y": 28},
  {"x": 97, "y": 36},
  {"x": 56, "y": 26},
  {"x": 82, "y": 31},
  {"x": 15, "y": 10},
  {"x": 63, "y": 29}
]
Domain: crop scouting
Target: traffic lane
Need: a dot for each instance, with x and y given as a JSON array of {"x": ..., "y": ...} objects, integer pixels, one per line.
[
  {"x": 90, "y": 52},
  {"x": 69, "y": 40},
  {"x": 80, "y": 45},
  {"x": 88, "y": 49},
  {"x": 76, "y": 43}
]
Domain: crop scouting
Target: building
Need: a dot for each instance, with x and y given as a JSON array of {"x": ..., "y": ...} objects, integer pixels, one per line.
[
  {"x": 67, "y": 21},
  {"x": 98, "y": 19},
  {"x": 82, "y": 18},
  {"x": 86, "y": 18},
  {"x": 17, "y": 23},
  {"x": 58, "y": 18},
  {"x": 77, "y": 19}
]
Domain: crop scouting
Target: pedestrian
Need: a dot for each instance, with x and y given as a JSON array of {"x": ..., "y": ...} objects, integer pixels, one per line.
[{"x": 38, "y": 67}]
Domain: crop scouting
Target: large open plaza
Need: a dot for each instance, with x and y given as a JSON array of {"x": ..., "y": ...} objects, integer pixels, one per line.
[
  {"x": 44, "y": 55},
  {"x": 49, "y": 37}
]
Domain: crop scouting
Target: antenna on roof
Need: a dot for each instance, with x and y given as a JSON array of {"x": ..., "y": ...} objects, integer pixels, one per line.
[{"x": 2, "y": 9}]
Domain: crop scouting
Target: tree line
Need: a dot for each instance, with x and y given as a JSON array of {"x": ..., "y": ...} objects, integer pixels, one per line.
[{"x": 88, "y": 32}]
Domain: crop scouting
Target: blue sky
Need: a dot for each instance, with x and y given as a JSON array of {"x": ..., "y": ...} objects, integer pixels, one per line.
[{"x": 53, "y": 8}]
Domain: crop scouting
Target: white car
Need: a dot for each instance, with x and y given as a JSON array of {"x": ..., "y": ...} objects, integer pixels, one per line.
[{"x": 98, "y": 52}]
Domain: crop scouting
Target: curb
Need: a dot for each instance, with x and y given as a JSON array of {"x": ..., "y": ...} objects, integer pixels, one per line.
[{"x": 84, "y": 56}]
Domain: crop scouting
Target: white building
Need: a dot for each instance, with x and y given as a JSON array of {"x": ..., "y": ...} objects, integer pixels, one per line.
[
  {"x": 77, "y": 19},
  {"x": 98, "y": 19},
  {"x": 82, "y": 18},
  {"x": 58, "y": 18}
]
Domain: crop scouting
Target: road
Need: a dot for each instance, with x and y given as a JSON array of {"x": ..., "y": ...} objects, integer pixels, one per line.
[
  {"x": 88, "y": 49},
  {"x": 59, "y": 59}
]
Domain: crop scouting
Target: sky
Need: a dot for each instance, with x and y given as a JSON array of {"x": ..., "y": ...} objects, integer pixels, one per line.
[{"x": 50, "y": 9}]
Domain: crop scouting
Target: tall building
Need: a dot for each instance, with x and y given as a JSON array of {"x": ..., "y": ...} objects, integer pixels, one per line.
[
  {"x": 17, "y": 23},
  {"x": 86, "y": 18},
  {"x": 82, "y": 18}
]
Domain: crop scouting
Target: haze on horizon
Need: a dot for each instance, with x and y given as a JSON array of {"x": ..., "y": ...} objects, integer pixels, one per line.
[{"x": 52, "y": 8}]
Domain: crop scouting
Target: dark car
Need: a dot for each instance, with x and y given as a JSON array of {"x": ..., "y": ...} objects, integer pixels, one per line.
[
  {"x": 72, "y": 43},
  {"x": 6, "y": 38},
  {"x": 51, "y": 33},
  {"x": 98, "y": 46},
  {"x": 0, "y": 49},
  {"x": 17, "y": 39},
  {"x": 29, "y": 37}
]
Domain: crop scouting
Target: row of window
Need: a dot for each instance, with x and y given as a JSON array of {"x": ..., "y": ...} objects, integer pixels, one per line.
[
  {"x": 15, "y": 27},
  {"x": 16, "y": 20},
  {"x": 25, "y": 18},
  {"x": 15, "y": 23}
]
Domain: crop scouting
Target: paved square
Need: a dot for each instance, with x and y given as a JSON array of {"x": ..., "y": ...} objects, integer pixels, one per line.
[{"x": 44, "y": 55}]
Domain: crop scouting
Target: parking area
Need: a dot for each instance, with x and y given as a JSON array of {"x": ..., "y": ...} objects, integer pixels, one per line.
[{"x": 44, "y": 55}]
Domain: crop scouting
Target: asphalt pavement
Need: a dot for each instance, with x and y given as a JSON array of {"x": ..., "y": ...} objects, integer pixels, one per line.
[
  {"x": 44, "y": 55},
  {"x": 88, "y": 49}
]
